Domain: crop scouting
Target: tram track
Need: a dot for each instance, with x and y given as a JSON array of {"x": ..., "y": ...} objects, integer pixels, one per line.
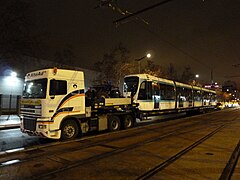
[
  {"x": 88, "y": 138},
  {"x": 117, "y": 150},
  {"x": 230, "y": 166},
  {"x": 88, "y": 143},
  {"x": 172, "y": 131},
  {"x": 141, "y": 129},
  {"x": 172, "y": 159}
]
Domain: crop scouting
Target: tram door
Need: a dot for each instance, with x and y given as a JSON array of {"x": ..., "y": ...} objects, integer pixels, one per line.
[
  {"x": 156, "y": 94},
  {"x": 180, "y": 96},
  {"x": 180, "y": 101}
]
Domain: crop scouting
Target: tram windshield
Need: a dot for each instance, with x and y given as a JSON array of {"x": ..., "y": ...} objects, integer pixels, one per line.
[{"x": 130, "y": 85}]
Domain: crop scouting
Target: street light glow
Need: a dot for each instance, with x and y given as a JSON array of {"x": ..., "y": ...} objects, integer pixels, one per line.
[
  {"x": 140, "y": 59},
  {"x": 13, "y": 74},
  {"x": 197, "y": 75}
]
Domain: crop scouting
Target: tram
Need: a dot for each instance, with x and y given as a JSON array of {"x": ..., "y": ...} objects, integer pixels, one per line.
[{"x": 158, "y": 95}]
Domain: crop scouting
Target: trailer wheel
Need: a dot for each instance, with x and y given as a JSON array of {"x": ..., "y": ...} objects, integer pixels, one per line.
[
  {"x": 127, "y": 121},
  {"x": 69, "y": 130},
  {"x": 113, "y": 123}
]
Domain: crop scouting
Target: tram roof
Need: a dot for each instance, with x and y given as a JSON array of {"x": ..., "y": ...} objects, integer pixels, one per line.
[{"x": 150, "y": 77}]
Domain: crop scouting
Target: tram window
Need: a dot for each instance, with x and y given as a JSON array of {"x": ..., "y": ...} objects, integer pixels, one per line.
[
  {"x": 185, "y": 93},
  {"x": 206, "y": 95},
  {"x": 145, "y": 91},
  {"x": 131, "y": 85},
  {"x": 149, "y": 90},
  {"x": 188, "y": 94},
  {"x": 178, "y": 91},
  {"x": 167, "y": 92},
  {"x": 142, "y": 91},
  {"x": 171, "y": 92},
  {"x": 197, "y": 95},
  {"x": 213, "y": 97},
  {"x": 182, "y": 93},
  {"x": 156, "y": 88}
]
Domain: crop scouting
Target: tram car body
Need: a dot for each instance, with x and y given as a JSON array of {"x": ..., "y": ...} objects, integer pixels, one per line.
[{"x": 158, "y": 95}]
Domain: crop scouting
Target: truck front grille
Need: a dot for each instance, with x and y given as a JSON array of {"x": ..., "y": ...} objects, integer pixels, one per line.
[{"x": 29, "y": 123}]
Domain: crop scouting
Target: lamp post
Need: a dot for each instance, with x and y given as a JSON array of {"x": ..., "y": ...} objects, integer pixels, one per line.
[{"x": 139, "y": 61}]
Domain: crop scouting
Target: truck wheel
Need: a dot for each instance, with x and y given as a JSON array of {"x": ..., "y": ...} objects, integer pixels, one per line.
[
  {"x": 127, "y": 122},
  {"x": 113, "y": 123},
  {"x": 69, "y": 130},
  {"x": 102, "y": 95}
]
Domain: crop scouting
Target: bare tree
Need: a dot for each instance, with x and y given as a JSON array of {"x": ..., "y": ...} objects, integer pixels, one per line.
[
  {"x": 154, "y": 69},
  {"x": 171, "y": 72},
  {"x": 115, "y": 65},
  {"x": 106, "y": 68},
  {"x": 187, "y": 75}
]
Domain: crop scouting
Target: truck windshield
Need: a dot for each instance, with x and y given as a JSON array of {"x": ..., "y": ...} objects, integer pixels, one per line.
[
  {"x": 131, "y": 85},
  {"x": 35, "y": 89}
]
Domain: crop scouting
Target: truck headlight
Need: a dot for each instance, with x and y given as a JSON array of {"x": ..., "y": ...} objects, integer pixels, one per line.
[{"x": 41, "y": 126}]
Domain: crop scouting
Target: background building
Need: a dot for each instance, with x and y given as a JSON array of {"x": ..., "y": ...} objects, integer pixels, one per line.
[{"x": 11, "y": 86}]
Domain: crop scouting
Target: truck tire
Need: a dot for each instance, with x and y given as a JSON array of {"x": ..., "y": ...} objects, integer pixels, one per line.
[
  {"x": 113, "y": 123},
  {"x": 102, "y": 95},
  {"x": 69, "y": 130},
  {"x": 128, "y": 121}
]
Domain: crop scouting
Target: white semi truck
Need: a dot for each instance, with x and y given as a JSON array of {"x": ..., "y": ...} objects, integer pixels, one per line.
[{"x": 54, "y": 105}]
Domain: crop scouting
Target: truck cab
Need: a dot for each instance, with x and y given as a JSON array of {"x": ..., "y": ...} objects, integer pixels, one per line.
[{"x": 50, "y": 95}]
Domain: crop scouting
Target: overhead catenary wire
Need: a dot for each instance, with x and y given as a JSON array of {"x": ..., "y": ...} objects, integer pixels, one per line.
[
  {"x": 128, "y": 15},
  {"x": 174, "y": 46},
  {"x": 141, "y": 11},
  {"x": 154, "y": 33}
]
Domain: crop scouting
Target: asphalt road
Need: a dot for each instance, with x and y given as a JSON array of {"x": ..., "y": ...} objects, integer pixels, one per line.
[
  {"x": 13, "y": 139},
  {"x": 198, "y": 147}
]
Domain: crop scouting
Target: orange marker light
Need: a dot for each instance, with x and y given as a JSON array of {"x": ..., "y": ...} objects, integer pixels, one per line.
[{"x": 54, "y": 70}]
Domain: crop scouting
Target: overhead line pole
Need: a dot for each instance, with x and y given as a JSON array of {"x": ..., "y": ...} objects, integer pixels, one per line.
[{"x": 142, "y": 10}]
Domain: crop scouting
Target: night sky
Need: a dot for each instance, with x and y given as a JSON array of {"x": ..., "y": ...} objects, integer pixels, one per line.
[{"x": 202, "y": 34}]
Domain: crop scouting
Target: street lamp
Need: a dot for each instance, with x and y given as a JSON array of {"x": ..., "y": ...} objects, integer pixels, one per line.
[
  {"x": 149, "y": 55},
  {"x": 194, "y": 81},
  {"x": 139, "y": 61},
  {"x": 13, "y": 74}
]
